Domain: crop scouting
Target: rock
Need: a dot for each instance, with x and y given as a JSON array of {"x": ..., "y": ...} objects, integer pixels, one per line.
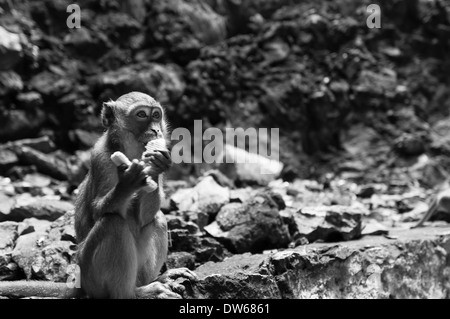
[
  {"x": 208, "y": 249},
  {"x": 135, "y": 8},
  {"x": 369, "y": 268},
  {"x": 241, "y": 195},
  {"x": 27, "y": 248},
  {"x": 42, "y": 144},
  {"x": 10, "y": 49},
  {"x": 8, "y": 236},
  {"x": 200, "y": 24},
  {"x": 410, "y": 144},
  {"x": 8, "y": 268},
  {"x": 7, "y": 159},
  {"x": 239, "y": 277},
  {"x": 247, "y": 168},
  {"x": 180, "y": 260},
  {"x": 40, "y": 208},
  {"x": 87, "y": 43},
  {"x": 10, "y": 82},
  {"x": 185, "y": 237},
  {"x": 329, "y": 223},
  {"x": 63, "y": 229},
  {"x": 30, "y": 225},
  {"x": 20, "y": 124},
  {"x": 53, "y": 262},
  {"x": 52, "y": 84},
  {"x": 6, "y": 204},
  {"x": 6, "y": 188},
  {"x": 253, "y": 226},
  {"x": 162, "y": 82},
  {"x": 203, "y": 201},
  {"x": 84, "y": 138},
  {"x": 34, "y": 184},
  {"x": 45, "y": 163},
  {"x": 30, "y": 100}
]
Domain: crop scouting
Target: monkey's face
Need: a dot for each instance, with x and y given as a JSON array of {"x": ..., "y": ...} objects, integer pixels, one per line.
[
  {"x": 144, "y": 121},
  {"x": 138, "y": 114}
]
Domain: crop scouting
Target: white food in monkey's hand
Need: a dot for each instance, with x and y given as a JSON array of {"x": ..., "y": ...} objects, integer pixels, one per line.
[
  {"x": 156, "y": 144},
  {"x": 118, "y": 158}
]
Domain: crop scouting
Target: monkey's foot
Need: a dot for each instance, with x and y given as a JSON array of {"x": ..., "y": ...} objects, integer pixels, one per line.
[
  {"x": 156, "y": 290},
  {"x": 178, "y": 279}
]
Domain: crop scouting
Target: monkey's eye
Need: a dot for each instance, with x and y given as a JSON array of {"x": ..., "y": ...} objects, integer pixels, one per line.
[
  {"x": 142, "y": 114},
  {"x": 156, "y": 115}
]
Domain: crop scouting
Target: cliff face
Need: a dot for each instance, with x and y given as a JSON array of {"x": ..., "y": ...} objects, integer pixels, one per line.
[{"x": 312, "y": 68}]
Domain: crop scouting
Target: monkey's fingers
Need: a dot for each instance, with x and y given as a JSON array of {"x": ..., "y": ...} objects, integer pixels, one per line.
[
  {"x": 164, "y": 152},
  {"x": 173, "y": 274},
  {"x": 160, "y": 161}
]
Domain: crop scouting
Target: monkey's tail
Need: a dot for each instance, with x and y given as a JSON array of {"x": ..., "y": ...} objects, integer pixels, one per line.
[
  {"x": 42, "y": 289},
  {"x": 431, "y": 211}
]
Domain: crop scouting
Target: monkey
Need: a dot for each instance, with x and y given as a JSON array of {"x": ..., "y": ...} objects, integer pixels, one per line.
[
  {"x": 440, "y": 202},
  {"x": 120, "y": 229}
]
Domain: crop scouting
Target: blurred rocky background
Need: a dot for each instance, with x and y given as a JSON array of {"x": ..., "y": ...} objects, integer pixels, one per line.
[{"x": 364, "y": 118}]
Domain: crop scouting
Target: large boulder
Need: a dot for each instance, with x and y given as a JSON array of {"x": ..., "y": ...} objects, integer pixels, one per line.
[
  {"x": 38, "y": 207},
  {"x": 253, "y": 226},
  {"x": 414, "y": 265},
  {"x": 329, "y": 223}
]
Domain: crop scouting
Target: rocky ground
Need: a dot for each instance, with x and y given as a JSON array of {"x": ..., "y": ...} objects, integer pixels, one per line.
[{"x": 363, "y": 116}]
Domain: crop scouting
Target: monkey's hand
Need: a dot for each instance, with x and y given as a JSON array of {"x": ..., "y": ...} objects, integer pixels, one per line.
[
  {"x": 159, "y": 161},
  {"x": 156, "y": 290},
  {"x": 179, "y": 280},
  {"x": 133, "y": 177}
]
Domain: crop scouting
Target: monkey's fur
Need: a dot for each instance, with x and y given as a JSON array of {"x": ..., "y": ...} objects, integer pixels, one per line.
[{"x": 122, "y": 233}]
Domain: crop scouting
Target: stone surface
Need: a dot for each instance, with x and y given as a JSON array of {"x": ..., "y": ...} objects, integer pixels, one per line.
[
  {"x": 203, "y": 201},
  {"x": 329, "y": 223},
  {"x": 8, "y": 236},
  {"x": 180, "y": 260},
  {"x": 47, "y": 164},
  {"x": 10, "y": 49},
  {"x": 42, "y": 144},
  {"x": 31, "y": 225},
  {"x": 252, "y": 226},
  {"x": 41, "y": 208},
  {"x": 414, "y": 265}
]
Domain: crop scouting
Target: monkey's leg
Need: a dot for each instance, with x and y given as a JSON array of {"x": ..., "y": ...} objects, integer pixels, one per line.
[
  {"x": 108, "y": 260},
  {"x": 152, "y": 245},
  {"x": 152, "y": 251}
]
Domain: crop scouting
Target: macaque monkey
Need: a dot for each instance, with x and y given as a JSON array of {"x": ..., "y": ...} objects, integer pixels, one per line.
[
  {"x": 122, "y": 233},
  {"x": 440, "y": 202}
]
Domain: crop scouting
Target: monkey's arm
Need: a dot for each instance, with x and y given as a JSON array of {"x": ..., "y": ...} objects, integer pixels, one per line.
[
  {"x": 113, "y": 193},
  {"x": 43, "y": 289}
]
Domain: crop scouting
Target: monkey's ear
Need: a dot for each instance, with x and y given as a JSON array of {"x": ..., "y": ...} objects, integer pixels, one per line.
[{"x": 108, "y": 114}]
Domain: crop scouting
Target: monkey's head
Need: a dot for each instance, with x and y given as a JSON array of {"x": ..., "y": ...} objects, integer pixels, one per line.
[{"x": 135, "y": 116}]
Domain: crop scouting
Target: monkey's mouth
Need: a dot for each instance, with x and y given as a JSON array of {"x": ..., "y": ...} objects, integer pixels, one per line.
[{"x": 147, "y": 138}]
